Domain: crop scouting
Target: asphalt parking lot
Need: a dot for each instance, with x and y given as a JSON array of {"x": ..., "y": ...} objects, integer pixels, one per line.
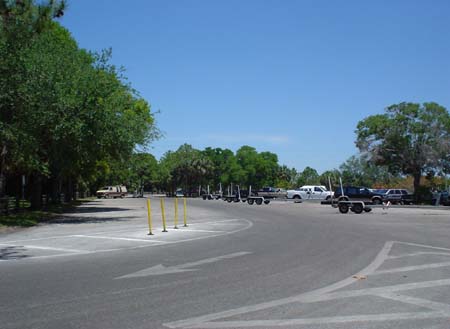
[{"x": 281, "y": 265}]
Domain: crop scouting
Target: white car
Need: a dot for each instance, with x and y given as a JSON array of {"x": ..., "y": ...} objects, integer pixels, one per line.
[{"x": 310, "y": 192}]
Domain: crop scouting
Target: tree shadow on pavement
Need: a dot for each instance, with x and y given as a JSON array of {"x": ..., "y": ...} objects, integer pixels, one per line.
[
  {"x": 86, "y": 210},
  {"x": 12, "y": 252},
  {"x": 87, "y": 220}
]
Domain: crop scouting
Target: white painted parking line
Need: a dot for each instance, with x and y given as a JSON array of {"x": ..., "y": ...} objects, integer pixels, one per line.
[
  {"x": 419, "y": 254},
  {"x": 115, "y": 238},
  {"x": 239, "y": 225},
  {"x": 334, "y": 292},
  {"x": 324, "y": 320},
  {"x": 204, "y": 231},
  {"x": 420, "y": 245},
  {"x": 413, "y": 268},
  {"x": 439, "y": 307}
]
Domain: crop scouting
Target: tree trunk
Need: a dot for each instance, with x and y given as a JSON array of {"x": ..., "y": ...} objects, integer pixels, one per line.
[
  {"x": 68, "y": 195},
  {"x": 417, "y": 176},
  {"x": 55, "y": 186},
  {"x": 3, "y": 153},
  {"x": 36, "y": 191}
]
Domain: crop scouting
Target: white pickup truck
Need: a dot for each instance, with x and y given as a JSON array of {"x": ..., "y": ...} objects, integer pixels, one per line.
[{"x": 310, "y": 192}]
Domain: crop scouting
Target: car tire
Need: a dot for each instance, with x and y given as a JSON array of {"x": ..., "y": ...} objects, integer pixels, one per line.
[
  {"x": 297, "y": 197},
  {"x": 250, "y": 201},
  {"x": 376, "y": 201},
  {"x": 266, "y": 201},
  {"x": 259, "y": 201},
  {"x": 343, "y": 198}
]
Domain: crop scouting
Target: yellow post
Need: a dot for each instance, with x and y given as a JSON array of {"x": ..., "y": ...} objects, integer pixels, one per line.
[
  {"x": 185, "y": 212},
  {"x": 176, "y": 214},
  {"x": 163, "y": 215},
  {"x": 149, "y": 212}
]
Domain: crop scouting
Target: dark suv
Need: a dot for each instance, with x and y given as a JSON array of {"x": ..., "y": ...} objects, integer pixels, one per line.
[
  {"x": 358, "y": 193},
  {"x": 400, "y": 196}
]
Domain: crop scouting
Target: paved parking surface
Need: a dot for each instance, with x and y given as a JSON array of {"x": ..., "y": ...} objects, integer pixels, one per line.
[
  {"x": 389, "y": 289},
  {"x": 282, "y": 265},
  {"x": 102, "y": 226}
]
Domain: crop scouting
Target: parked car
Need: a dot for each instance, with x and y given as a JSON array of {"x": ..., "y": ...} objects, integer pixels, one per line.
[
  {"x": 358, "y": 193},
  {"x": 314, "y": 192},
  {"x": 400, "y": 196},
  {"x": 112, "y": 192},
  {"x": 271, "y": 193}
]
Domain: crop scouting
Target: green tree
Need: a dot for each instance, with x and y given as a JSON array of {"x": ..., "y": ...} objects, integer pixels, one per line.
[
  {"x": 332, "y": 175},
  {"x": 20, "y": 23},
  {"x": 187, "y": 167},
  {"x": 286, "y": 177},
  {"x": 408, "y": 138},
  {"x": 357, "y": 170},
  {"x": 309, "y": 176}
]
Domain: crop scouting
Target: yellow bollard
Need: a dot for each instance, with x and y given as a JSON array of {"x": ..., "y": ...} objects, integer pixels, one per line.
[
  {"x": 149, "y": 212},
  {"x": 176, "y": 214},
  {"x": 185, "y": 213},
  {"x": 163, "y": 215}
]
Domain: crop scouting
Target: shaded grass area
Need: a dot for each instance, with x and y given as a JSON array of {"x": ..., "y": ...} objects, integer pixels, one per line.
[{"x": 27, "y": 218}]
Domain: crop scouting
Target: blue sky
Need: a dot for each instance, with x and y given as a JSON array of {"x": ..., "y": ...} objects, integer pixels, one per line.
[{"x": 290, "y": 77}]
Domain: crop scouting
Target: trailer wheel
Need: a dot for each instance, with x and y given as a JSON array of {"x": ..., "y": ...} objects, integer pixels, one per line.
[
  {"x": 357, "y": 208},
  {"x": 266, "y": 201},
  {"x": 366, "y": 209},
  {"x": 343, "y": 208},
  {"x": 229, "y": 200},
  {"x": 259, "y": 201},
  {"x": 250, "y": 201}
]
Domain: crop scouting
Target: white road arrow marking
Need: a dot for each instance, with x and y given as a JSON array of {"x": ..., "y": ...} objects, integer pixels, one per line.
[{"x": 188, "y": 267}]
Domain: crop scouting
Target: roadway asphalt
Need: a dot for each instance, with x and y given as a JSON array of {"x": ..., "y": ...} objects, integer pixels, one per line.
[{"x": 281, "y": 265}]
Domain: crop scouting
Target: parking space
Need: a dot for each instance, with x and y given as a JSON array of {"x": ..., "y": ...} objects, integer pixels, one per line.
[
  {"x": 389, "y": 289},
  {"x": 111, "y": 225}
]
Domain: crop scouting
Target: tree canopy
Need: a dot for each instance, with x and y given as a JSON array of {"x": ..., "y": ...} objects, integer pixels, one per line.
[
  {"x": 63, "y": 110},
  {"x": 408, "y": 138}
]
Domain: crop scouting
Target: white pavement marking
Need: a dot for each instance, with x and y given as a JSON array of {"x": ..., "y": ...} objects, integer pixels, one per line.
[
  {"x": 243, "y": 225},
  {"x": 284, "y": 301},
  {"x": 440, "y": 307},
  {"x": 201, "y": 231},
  {"x": 412, "y": 268},
  {"x": 324, "y": 320},
  {"x": 114, "y": 238},
  {"x": 187, "y": 267},
  {"x": 421, "y": 245},
  {"x": 420, "y": 253},
  {"x": 439, "y": 310}
]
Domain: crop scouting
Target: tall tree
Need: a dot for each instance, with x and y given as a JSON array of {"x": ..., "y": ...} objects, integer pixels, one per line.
[
  {"x": 20, "y": 23},
  {"x": 309, "y": 176},
  {"x": 408, "y": 138}
]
